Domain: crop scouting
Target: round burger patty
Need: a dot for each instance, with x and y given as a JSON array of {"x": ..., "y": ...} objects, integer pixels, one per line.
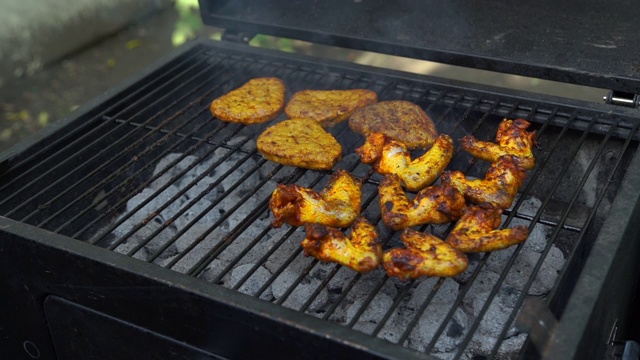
[{"x": 400, "y": 120}]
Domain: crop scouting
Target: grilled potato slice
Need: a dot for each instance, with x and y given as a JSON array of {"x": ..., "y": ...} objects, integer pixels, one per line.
[
  {"x": 257, "y": 101},
  {"x": 400, "y": 120},
  {"x": 300, "y": 142},
  {"x": 328, "y": 107}
]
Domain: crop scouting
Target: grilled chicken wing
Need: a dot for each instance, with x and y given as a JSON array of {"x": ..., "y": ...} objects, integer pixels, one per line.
[
  {"x": 511, "y": 139},
  {"x": 499, "y": 187},
  {"x": 394, "y": 158},
  {"x": 337, "y": 205},
  {"x": 425, "y": 255},
  {"x": 476, "y": 231},
  {"x": 432, "y": 205},
  {"x": 361, "y": 251}
]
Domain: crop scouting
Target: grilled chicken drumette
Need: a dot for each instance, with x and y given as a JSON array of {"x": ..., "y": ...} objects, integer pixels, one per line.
[
  {"x": 499, "y": 187},
  {"x": 511, "y": 139},
  {"x": 388, "y": 156},
  {"x": 424, "y": 255},
  {"x": 360, "y": 251},
  {"x": 432, "y": 205},
  {"x": 476, "y": 231},
  {"x": 337, "y": 205}
]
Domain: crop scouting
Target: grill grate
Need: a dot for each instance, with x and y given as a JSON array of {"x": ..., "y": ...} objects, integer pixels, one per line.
[{"x": 194, "y": 194}]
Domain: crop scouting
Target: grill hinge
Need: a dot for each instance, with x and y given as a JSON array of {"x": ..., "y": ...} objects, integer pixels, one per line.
[
  {"x": 623, "y": 99},
  {"x": 236, "y": 36}
]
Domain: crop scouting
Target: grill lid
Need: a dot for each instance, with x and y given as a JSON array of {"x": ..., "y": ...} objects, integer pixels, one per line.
[{"x": 584, "y": 42}]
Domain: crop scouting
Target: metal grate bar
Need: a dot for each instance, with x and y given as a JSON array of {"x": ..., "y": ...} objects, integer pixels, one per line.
[
  {"x": 512, "y": 259},
  {"x": 124, "y": 183},
  {"x": 536, "y": 269},
  {"x": 485, "y": 257},
  {"x": 113, "y": 145},
  {"x": 141, "y": 88},
  {"x": 161, "y": 189}
]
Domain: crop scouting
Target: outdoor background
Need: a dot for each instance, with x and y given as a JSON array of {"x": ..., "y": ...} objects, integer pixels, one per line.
[{"x": 57, "y": 55}]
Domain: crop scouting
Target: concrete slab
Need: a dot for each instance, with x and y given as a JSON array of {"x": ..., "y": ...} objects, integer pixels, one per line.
[{"x": 34, "y": 33}]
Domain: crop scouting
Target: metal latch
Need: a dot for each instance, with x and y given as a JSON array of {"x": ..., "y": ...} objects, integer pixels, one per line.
[
  {"x": 622, "y": 99},
  {"x": 236, "y": 36}
]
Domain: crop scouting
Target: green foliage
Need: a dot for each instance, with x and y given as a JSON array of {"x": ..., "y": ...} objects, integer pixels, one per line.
[
  {"x": 189, "y": 23},
  {"x": 270, "y": 42}
]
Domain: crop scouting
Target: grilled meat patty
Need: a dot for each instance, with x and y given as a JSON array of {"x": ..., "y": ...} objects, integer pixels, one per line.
[
  {"x": 328, "y": 107},
  {"x": 257, "y": 101},
  {"x": 300, "y": 142},
  {"x": 400, "y": 120}
]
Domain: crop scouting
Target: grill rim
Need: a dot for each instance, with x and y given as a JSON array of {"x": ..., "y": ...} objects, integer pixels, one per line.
[
  {"x": 334, "y": 332},
  {"x": 26, "y": 147}
]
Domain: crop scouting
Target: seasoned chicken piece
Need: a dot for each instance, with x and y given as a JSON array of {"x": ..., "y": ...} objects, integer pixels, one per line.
[
  {"x": 300, "y": 142},
  {"x": 425, "y": 255},
  {"x": 400, "y": 120},
  {"x": 511, "y": 139},
  {"x": 337, "y": 205},
  {"x": 361, "y": 251},
  {"x": 432, "y": 205},
  {"x": 499, "y": 186},
  {"x": 394, "y": 158},
  {"x": 328, "y": 107},
  {"x": 476, "y": 231},
  {"x": 257, "y": 101}
]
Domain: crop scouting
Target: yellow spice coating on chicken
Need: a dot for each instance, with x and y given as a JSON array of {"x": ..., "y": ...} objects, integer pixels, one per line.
[
  {"x": 300, "y": 142},
  {"x": 511, "y": 139},
  {"x": 499, "y": 187},
  {"x": 432, "y": 205},
  {"x": 328, "y": 107},
  {"x": 257, "y": 101},
  {"x": 424, "y": 255},
  {"x": 392, "y": 157},
  {"x": 360, "y": 251},
  {"x": 476, "y": 231},
  {"x": 337, "y": 205}
]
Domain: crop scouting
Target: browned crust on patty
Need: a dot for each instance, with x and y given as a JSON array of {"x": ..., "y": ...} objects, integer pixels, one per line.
[{"x": 400, "y": 120}]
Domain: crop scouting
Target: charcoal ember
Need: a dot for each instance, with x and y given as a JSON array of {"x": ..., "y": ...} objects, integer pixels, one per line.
[
  {"x": 302, "y": 292},
  {"x": 192, "y": 234},
  {"x": 374, "y": 311},
  {"x": 474, "y": 261},
  {"x": 167, "y": 172},
  {"x": 342, "y": 277},
  {"x": 522, "y": 270},
  {"x": 495, "y": 318},
  {"x": 144, "y": 237},
  {"x": 446, "y": 293},
  {"x": 388, "y": 332},
  {"x": 370, "y": 281},
  {"x": 149, "y": 212},
  {"x": 256, "y": 280},
  {"x": 454, "y": 332},
  {"x": 210, "y": 273},
  {"x": 484, "y": 282},
  {"x": 290, "y": 246},
  {"x": 509, "y": 349}
]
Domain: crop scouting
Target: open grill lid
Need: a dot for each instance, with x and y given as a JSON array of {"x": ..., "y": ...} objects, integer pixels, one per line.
[{"x": 584, "y": 42}]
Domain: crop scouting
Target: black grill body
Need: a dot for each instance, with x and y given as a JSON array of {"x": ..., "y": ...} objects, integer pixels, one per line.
[{"x": 78, "y": 288}]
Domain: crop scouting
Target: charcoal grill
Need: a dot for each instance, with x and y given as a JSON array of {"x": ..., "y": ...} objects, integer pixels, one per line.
[{"x": 139, "y": 227}]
